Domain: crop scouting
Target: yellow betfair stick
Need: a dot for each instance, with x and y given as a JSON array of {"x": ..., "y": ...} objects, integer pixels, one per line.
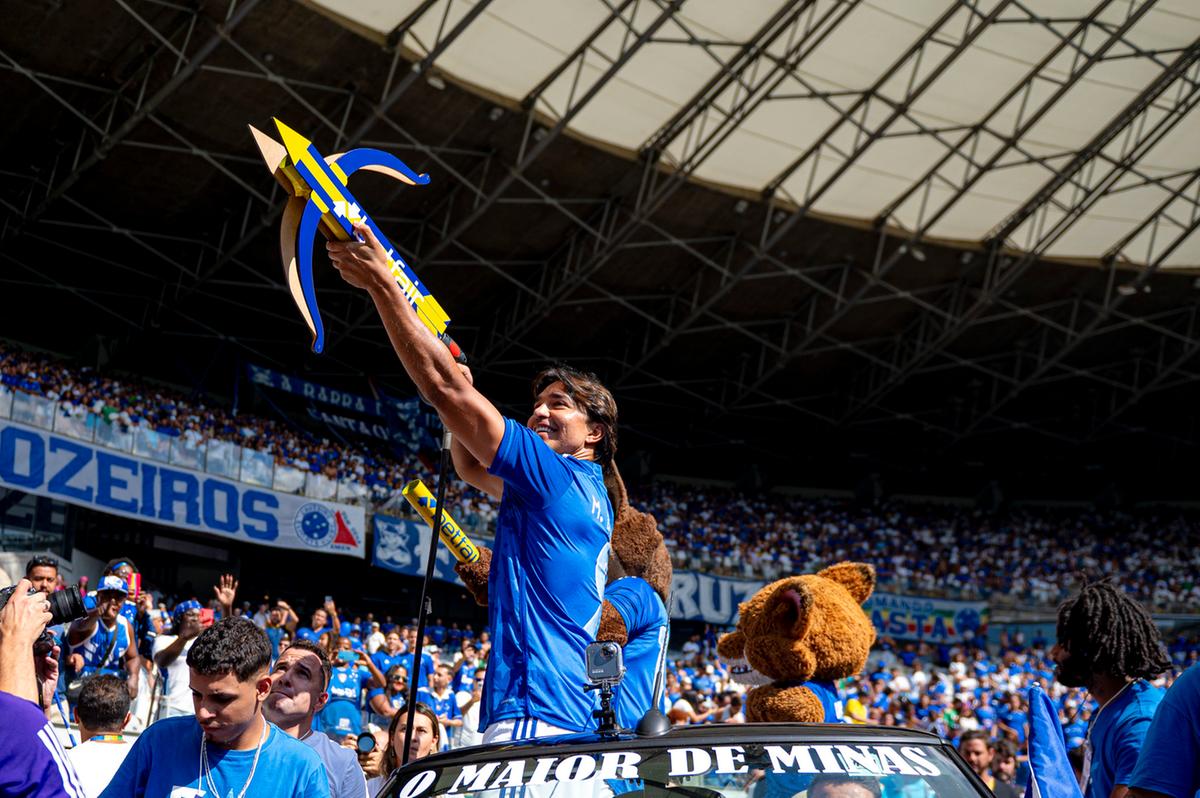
[{"x": 451, "y": 533}]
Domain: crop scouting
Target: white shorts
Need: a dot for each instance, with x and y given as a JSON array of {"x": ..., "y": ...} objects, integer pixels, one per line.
[{"x": 504, "y": 731}]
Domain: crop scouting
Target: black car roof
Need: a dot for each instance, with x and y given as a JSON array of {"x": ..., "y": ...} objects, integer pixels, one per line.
[{"x": 706, "y": 734}]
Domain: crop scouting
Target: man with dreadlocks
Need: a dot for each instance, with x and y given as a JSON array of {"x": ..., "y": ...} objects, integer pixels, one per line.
[{"x": 1108, "y": 644}]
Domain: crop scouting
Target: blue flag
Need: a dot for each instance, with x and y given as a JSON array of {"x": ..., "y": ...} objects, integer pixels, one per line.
[{"x": 1050, "y": 773}]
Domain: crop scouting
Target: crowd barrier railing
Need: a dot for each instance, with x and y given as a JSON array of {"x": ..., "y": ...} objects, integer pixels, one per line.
[{"x": 188, "y": 450}]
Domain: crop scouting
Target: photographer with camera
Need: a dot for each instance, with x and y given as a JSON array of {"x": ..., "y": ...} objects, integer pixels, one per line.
[
  {"x": 32, "y": 761},
  {"x": 298, "y": 691}
]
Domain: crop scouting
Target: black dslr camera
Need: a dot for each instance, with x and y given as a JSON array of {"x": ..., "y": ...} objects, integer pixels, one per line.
[{"x": 65, "y": 606}]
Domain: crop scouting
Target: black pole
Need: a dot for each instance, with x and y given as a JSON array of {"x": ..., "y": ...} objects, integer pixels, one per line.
[{"x": 423, "y": 608}]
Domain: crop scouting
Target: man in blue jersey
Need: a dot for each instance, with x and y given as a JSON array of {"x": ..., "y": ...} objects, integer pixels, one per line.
[
  {"x": 647, "y": 627},
  {"x": 1109, "y": 644},
  {"x": 104, "y": 641},
  {"x": 553, "y": 532},
  {"x": 388, "y": 656},
  {"x": 228, "y": 747},
  {"x": 353, "y": 674}
]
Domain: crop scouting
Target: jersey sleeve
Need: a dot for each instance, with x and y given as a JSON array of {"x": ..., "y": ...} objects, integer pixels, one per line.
[
  {"x": 530, "y": 468},
  {"x": 32, "y": 760},
  {"x": 1173, "y": 738},
  {"x": 633, "y": 599},
  {"x": 353, "y": 782}
]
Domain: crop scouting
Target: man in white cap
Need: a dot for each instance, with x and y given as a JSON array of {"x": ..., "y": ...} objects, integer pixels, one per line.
[{"x": 103, "y": 641}]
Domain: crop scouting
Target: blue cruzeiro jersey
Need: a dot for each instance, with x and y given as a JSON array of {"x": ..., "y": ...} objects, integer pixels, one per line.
[
  {"x": 645, "y": 652},
  {"x": 100, "y": 655},
  {"x": 343, "y": 714},
  {"x": 546, "y": 582}
]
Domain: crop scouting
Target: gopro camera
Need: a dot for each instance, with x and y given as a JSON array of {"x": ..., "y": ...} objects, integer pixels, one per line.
[{"x": 605, "y": 663}]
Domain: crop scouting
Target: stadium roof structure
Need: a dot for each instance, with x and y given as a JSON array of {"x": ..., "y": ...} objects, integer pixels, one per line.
[{"x": 940, "y": 229}]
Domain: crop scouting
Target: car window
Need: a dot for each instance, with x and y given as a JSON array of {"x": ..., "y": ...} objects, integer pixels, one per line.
[{"x": 768, "y": 770}]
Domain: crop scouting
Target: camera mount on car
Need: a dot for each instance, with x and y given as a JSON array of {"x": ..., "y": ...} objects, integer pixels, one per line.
[{"x": 605, "y": 668}]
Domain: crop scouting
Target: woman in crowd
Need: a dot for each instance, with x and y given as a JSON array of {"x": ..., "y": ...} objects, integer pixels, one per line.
[{"x": 426, "y": 739}]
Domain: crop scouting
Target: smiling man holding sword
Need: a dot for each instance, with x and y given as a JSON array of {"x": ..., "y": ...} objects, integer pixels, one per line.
[{"x": 555, "y": 521}]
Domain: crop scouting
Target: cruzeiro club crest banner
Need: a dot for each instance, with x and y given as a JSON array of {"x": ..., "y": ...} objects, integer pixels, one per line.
[
  {"x": 39, "y": 462},
  {"x": 930, "y": 619},
  {"x": 401, "y": 545}
]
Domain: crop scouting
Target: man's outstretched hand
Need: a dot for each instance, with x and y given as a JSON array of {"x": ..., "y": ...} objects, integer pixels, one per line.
[{"x": 225, "y": 591}]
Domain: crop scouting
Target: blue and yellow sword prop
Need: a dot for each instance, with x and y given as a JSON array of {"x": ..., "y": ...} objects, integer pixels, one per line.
[{"x": 321, "y": 201}]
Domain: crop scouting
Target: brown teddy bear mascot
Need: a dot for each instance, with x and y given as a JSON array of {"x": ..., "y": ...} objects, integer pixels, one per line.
[
  {"x": 637, "y": 550},
  {"x": 796, "y": 637}
]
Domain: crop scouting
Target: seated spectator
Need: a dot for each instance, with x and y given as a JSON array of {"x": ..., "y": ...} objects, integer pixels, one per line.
[{"x": 102, "y": 714}]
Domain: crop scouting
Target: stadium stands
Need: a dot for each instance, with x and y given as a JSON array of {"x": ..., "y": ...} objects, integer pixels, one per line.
[{"x": 1028, "y": 556}]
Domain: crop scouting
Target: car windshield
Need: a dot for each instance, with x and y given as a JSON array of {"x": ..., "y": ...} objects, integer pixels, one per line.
[{"x": 756, "y": 770}]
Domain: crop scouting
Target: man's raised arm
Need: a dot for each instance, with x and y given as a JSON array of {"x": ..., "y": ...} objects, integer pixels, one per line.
[{"x": 466, "y": 413}]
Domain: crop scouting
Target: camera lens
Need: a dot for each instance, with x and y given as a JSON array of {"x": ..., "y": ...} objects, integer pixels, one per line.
[
  {"x": 365, "y": 743},
  {"x": 66, "y": 605}
]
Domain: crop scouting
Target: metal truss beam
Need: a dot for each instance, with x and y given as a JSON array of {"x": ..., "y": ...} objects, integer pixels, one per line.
[
  {"x": 1165, "y": 229},
  {"x": 685, "y": 142},
  {"x": 186, "y": 68},
  {"x": 960, "y": 167},
  {"x": 918, "y": 68},
  {"x": 571, "y": 72},
  {"x": 1052, "y": 210}
]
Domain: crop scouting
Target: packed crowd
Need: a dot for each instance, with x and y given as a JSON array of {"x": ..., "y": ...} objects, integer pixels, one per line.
[
  {"x": 131, "y": 404},
  {"x": 1021, "y": 555},
  {"x": 133, "y": 650},
  {"x": 132, "y": 653},
  {"x": 1035, "y": 557}
]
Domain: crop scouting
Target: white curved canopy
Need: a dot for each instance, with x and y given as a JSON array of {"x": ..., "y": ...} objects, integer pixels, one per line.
[{"x": 856, "y": 161}]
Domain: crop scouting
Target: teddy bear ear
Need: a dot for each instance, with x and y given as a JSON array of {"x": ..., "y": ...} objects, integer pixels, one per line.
[
  {"x": 857, "y": 577},
  {"x": 789, "y": 609}
]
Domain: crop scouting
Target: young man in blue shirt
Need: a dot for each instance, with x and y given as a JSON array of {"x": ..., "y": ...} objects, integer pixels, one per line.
[
  {"x": 228, "y": 747},
  {"x": 554, "y": 527},
  {"x": 1109, "y": 644}
]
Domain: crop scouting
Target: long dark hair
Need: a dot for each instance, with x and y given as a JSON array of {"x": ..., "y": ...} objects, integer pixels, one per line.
[
  {"x": 586, "y": 391},
  {"x": 396, "y": 727},
  {"x": 1105, "y": 631}
]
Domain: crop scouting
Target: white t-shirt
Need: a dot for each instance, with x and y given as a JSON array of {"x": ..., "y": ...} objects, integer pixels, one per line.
[
  {"x": 96, "y": 763},
  {"x": 346, "y": 779},
  {"x": 469, "y": 733},
  {"x": 177, "y": 700}
]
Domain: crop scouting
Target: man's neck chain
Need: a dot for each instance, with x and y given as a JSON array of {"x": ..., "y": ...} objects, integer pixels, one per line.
[{"x": 206, "y": 771}]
